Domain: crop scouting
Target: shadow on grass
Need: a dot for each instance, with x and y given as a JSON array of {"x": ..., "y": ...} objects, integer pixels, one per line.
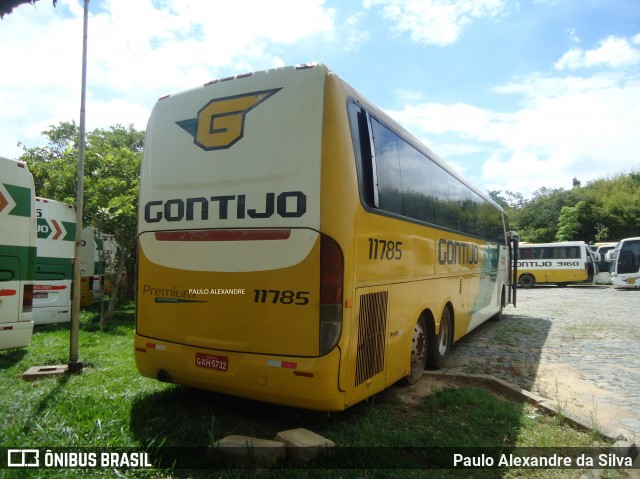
[
  {"x": 383, "y": 433},
  {"x": 11, "y": 357}
]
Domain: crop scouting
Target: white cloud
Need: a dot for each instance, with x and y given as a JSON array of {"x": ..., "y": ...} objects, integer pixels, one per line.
[
  {"x": 435, "y": 22},
  {"x": 355, "y": 36},
  {"x": 566, "y": 127},
  {"x": 614, "y": 52},
  {"x": 155, "y": 47},
  {"x": 138, "y": 50}
]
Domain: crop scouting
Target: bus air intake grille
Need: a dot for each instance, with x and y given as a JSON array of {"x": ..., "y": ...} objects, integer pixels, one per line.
[{"x": 371, "y": 335}]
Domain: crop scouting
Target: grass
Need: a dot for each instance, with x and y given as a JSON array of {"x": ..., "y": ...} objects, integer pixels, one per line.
[{"x": 110, "y": 405}]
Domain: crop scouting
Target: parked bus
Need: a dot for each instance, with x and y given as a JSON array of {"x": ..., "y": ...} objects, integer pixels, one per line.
[
  {"x": 603, "y": 275},
  {"x": 17, "y": 253},
  {"x": 625, "y": 270},
  {"x": 297, "y": 246},
  {"x": 87, "y": 266},
  {"x": 104, "y": 264},
  {"x": 55, "y": 242},
  {"x": 560, "y": 263}
]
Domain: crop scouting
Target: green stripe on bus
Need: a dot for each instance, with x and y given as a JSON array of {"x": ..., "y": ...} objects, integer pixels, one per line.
[
  {"x": 98, "y": 267},
  {"x": 22, "y": 197},
  {"x": 48, "y": 269},
  {"x": 161, "y": 300},
  {"x": 70, "y": 228},
  {"x": 26, "y": 256}
]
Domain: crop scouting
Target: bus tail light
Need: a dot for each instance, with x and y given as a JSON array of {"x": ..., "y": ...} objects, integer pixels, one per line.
[
  {"x": 27, "y": 298},
  {"x": 331, "y": 283}
]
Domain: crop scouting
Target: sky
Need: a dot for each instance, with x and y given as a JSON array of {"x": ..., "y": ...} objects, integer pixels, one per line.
[{"x": 514, "y": 94}]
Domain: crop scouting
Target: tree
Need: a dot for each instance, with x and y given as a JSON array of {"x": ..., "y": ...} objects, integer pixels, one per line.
[
  {"x": 603, "y": 209},
  {"x": 616, "y": 209},
  {"x": 112, "y": 169},
  {"x": 7, "y": 6},
  {"x": 570, "y": 222},
  {"x": 537, "y": 220}
]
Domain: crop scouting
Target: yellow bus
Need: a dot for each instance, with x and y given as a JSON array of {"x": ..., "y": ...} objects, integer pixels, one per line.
[
  {"x": 297, "y": 246},
  {"x": 559, "y": 263}
]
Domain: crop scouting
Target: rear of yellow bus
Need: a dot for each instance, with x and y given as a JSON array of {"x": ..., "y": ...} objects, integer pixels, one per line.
[{"x": 238, "y": 292}]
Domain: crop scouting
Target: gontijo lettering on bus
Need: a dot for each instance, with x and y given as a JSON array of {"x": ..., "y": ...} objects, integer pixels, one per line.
[
  {"x": 288, "y": 204},
  {"x": 457, "y": 252}
]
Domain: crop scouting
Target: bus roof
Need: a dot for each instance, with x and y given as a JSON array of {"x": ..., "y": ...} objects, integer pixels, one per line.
[{"x": 381, "y": 114}]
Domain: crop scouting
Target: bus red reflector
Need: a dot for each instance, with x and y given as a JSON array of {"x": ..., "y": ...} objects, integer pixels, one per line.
[
  {"x": 331, "y": 271},
  {"x": 282, "y": 364},
  {"x": 224, "y": 235},
  {"x": 303, "y": 374},
  {"x": 7, "y": 292},
  {"x": 7, "y": 328},
  {"x": 142, "y": 350}
]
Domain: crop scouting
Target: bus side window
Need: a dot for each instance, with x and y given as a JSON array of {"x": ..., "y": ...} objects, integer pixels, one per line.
[
  {"x": 363, "y": 152},
  {"x": 387, "y": 168},
  {"x": 625, "y": 263}
]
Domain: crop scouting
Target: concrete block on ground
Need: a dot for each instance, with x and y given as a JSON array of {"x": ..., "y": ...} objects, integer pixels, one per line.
[
  {"x": 246, "y": 451},
  {"x": 304, "y": 445},
  {"x": 37, "y": 372}
]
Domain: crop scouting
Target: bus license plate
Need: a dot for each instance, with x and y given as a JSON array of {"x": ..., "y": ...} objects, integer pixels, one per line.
[{"x": 209, "y": 361}]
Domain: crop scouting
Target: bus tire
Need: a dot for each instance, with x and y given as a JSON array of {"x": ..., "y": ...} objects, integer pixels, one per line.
[
  {"x": 527, "y": 281},
  {"x": 439, "y": 345},
  {"x": 418, "y": 353}
]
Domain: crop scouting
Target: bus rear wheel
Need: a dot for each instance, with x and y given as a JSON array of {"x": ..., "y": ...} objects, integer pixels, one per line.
[
  {"x": 439, "y": 344},
  {"x": 418, "y": 355},
  {"x": 527, "y": 281}
]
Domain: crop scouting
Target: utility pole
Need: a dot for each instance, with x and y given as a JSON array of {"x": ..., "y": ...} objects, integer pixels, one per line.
[{"x": 75, "y": 365}]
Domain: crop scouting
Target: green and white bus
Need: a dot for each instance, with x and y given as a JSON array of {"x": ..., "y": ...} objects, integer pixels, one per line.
[
  {"x": 17, "y": 253},
  {"x": 54, "y": 264}
]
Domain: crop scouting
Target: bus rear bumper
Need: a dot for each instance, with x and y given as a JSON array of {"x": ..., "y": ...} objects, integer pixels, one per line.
[
  {"x": 15, "y": 335},
  {"x": 309, "y": 383},
  {"x": 52, "y": 314}
]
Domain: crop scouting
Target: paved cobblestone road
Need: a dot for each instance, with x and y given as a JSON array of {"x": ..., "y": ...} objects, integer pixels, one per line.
[{"x": 578, "y": 345}]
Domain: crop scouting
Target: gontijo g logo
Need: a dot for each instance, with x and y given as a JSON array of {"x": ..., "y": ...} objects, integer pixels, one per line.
[{"x": 220, "y": 123}]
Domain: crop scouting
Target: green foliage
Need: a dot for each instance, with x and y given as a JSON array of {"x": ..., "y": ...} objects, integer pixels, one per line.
[
  {"x": 604, "y": 209},
  {"x": 111, "y": 183}
]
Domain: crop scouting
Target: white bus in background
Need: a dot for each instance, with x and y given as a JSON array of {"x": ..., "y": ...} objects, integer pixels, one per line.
[
  {"x": 603, "y": 275},
  {"x": 54, "y": 264},
  {"x": 103, "y": 265},
  {"x": 87, "y": 255},
  {"x": 17, "y": 253},
  {"x": 559, "y": 263},
  {"x": 625, "y": 267}
]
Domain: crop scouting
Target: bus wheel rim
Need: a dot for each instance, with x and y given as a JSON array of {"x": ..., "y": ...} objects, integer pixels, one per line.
[
  {"x": 443, "y": 337},
  {"x": 418, "y": 346}
]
